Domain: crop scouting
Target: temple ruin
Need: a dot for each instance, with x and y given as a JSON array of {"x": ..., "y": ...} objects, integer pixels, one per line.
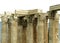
[{"x": 31, "y": 26}]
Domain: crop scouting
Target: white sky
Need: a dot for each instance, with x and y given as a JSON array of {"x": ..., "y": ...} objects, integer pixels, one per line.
[{"x": 11, "y": 5}]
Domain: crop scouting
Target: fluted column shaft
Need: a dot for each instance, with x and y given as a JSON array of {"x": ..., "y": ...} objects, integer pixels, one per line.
[
  {"x": 9, "y": 31},
  {"x": 40, "y": 30},
  {"x": 4, "y": 29},
  {"x": 53, "y": 30},
  {"x": 20, "y": 34},
  {"x": 29, "y": 31},
  {"x": 46, "y": 30},
  {"x": 14, "y": 31}
]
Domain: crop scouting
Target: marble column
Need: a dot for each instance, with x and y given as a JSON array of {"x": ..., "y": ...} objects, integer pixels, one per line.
[
  {"x": 20, "y": 28},
  {"x": 29, "y": 31},
  {"x": 24, "y": 24},
  {"x": 35, "y": 30},
  {"x": 40, "y": 29},
  {"x": 9, "y": 31},
  {"x": 35, "y": 20},
  {"x": 53, "y": 29},
  {"x": 57, "y": 28},
  {"x": 20, "y": 34},
  {"x": 4, "y": 29},
  {"x": 59, "y": 31},
  {"x": 46, "y": 29},
  {"x": 14, "y": 27}
]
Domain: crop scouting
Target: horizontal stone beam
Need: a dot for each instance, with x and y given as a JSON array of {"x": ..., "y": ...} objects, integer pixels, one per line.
[
  {"x": 55, "y": 7},
  {"x": 27, "y": 12}
]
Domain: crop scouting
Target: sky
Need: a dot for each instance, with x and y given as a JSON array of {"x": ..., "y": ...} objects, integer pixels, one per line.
[{"x": 11, "y": 5}]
